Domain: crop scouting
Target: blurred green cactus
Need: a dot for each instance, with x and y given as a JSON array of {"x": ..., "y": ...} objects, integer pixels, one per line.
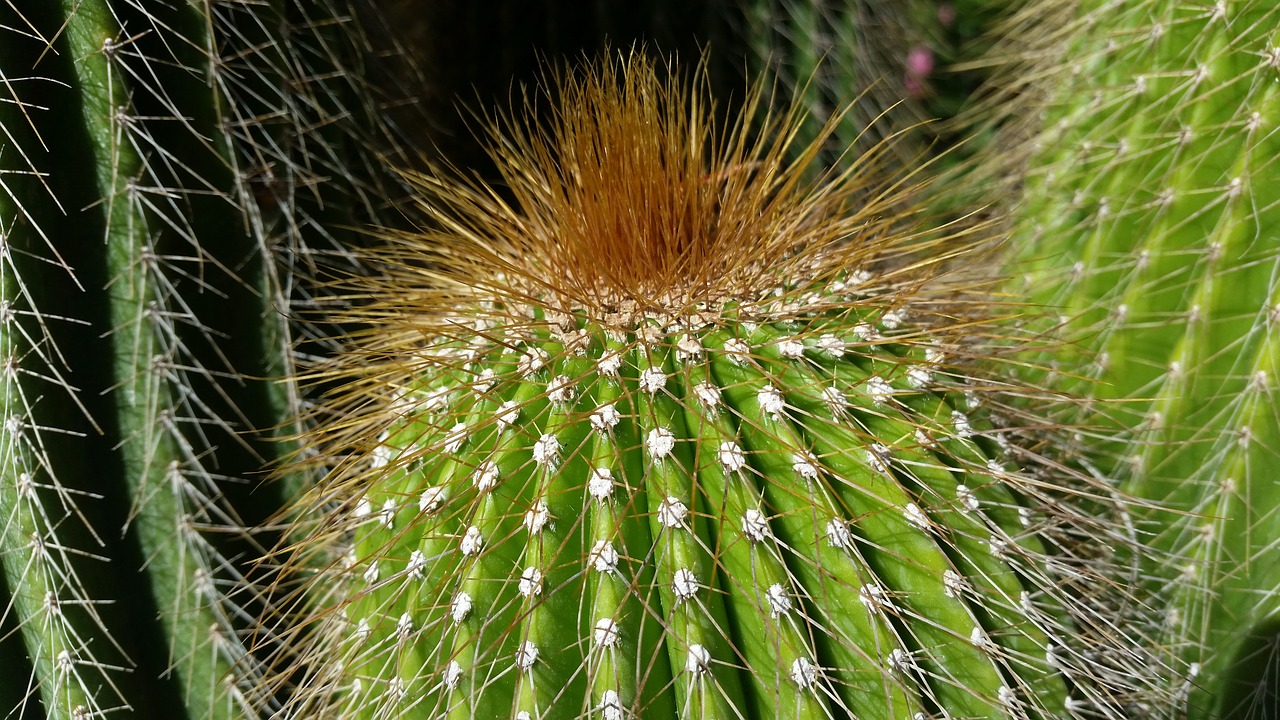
[{"x": 1149, "y": 218}]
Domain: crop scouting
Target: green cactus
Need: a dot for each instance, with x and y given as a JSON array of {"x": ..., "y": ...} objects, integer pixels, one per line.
[
  {"x": 1150, "y": 219},
  {"x": 677, "y": 433},
  {"x": 152, "y": 190}
]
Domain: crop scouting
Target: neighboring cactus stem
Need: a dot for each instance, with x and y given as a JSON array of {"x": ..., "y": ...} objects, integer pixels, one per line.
[
  {"x": 675, "y": 432},
  {"x": 1148, "y": 216}
]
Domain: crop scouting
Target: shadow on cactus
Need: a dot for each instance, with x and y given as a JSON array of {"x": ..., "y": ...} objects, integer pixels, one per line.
[{"x": 660, "y": 428}]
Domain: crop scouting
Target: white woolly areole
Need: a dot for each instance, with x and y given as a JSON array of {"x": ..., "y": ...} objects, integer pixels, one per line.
[
  {"x": 878, "y": 457},
  {"x": 831, "y": 345},
  {"x": 432, "y": 499},
  {"x": 372, "y": 573},
  {"x": 779, "y": 600},
  {"x": 698, "y": 661},
  {"x": 879, "y": 389},
  {"x": 731, "y": 456},
  {"x": 707, "y": 394},
  {"x": 893, "y": 319},
  {"x": 603, "y": 557},
  {"x": 961, "y": 423},
  {"x": 684, "y": 584},
  {"x": 953, "y": 584},
  {"x": 605, "y": 418},
  {"x": 417, "y": 561},
  {"x": 771, "y": 401},
  {"x": 485, "y": 381},
  {"x": 652, "y": 380},
  {"x": 979, "y": 638},
  {"x": 968, "y": 501},
  {"x": 532, "y": 361},
  {"x": 452, "y": 675},
  {"x": 404, "y": 626},
  {"x": 546, "y": 450},
  {"x": 873, "y": 597},
  {"x": 387, "y": 515},
  {"x": 380, "y": 457},
  {"x": 754, "y": 525},
  {"x": 605, "y": 633},
  {"x": 364, "y": 629},
  {"x": 601, "y": 483},
  {"x": 688, "y": 348},
  {"x": 530, "y": 583},
  {"x": 610, "y": 363},
  {"x": 900, "y": 660},
  {"x": 997, "y": 546},
  {"x": 805, "y": 466},
  {"x": 610, "y": 705},
  {"x": 1007, "y": 697},
  {"x": 436, "y": 400},
  {"x": 364, "y": 508},
  {"x": 791, "y": 349},
  {"x": 461, "y": 607},
  {"x": 537, "y": 517},
  {"x": 485, "y": 476},
  {"x": 672, "y": 512},
  {"x": 527, "y": 655},
  {"x": 660, "y": 443},
  {"x": 918, "y": 377},
  {"x": 560, "y": 389},
  {"x": 835, "y": 400},
  {"x": 738, "y": 351},
  {"x": 508, "y": 414},
  {"x": 925, "y": 440},
  {"x": 472, "y": 541},
  {"x": 916, "y": 516},
  {"x": 454, "y": 439},
  {"x": 804, "y": 673},
  {"x": 838, "y": 535}
]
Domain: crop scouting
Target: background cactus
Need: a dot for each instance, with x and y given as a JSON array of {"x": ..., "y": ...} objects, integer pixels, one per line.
[
  {"x": 1149, "y": 219},
  {"x": 156, "y": 184}
]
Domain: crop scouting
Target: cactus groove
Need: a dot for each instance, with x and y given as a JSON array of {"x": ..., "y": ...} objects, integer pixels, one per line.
[{"x": 677, "y": 433}]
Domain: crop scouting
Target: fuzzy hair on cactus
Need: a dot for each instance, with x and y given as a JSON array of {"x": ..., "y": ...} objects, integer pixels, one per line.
[{"x": 664, "y": 427}]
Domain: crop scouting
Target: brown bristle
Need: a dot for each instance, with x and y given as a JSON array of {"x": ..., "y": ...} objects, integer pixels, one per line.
[{"x": 634, "y": 202}]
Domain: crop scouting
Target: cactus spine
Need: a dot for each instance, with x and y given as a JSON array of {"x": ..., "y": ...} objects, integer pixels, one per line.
[
  {"x": 675, "y": 432},
  {"x": 1150, "y": 219}
]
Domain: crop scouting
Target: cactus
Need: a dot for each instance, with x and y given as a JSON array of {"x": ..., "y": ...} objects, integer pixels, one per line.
[
  {"x": 152, "y": 184},
  {"x": 1149, "y": 219},
  {"x": 666, "y": 430}
]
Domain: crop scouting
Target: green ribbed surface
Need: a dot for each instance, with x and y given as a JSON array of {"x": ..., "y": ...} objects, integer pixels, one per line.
[
  {"x": 1151, "y": 218},
  {"x": 778, "y": 520}
]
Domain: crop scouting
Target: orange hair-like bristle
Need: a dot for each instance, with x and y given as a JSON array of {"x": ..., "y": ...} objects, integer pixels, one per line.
[{"x": 635, "y": 202}]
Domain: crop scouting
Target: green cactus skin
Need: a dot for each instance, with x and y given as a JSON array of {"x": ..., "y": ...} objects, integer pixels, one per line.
[
  {"x": 759, "y": 478},
  {"x": 1150, "y": 218}
]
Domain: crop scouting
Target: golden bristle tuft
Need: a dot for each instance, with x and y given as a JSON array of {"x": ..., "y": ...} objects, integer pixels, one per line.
[{"x": 634, "y": 202}]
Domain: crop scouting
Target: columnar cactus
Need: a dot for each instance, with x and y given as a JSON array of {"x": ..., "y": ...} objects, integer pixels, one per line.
[
  {"x": 151, "y": 177},
  {"x": 662, "y": 429},
  {"x": 1150, "y": 220}
]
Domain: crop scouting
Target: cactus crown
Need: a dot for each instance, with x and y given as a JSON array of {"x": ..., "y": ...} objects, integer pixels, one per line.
[{"x": 665, "y": 430}]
